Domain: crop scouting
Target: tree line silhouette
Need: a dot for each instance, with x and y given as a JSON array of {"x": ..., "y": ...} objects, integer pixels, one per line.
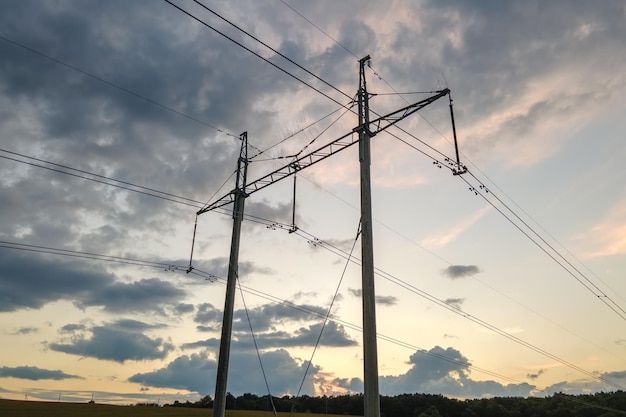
[{"x": 610, "y": 404}]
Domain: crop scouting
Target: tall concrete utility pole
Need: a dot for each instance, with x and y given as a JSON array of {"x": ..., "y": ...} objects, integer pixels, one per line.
[
  {"x": 219, "y": 402},
  {"x": 371, "y": 395}
]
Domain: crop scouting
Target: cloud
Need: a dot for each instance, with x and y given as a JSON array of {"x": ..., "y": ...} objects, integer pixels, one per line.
[
  {"x": 184, "y": 308},
  {"x": 537, "y": 374},
  {"x": 388, "y": 300},
  {"x": 455, "y": 302},
  {"x": 24, "y": 331},
  {"x": 148, "y": 294},
  {"x": 32, "y": 282},
  {"x": 442, "y": 239},
  {"x": 34, "y": 373},
  {"x": 609, "y": 236},
  {"x": 196, "y": 373},
  {"x": 269, "y": 316},
  {"x": 118, "y": 341},
  {"x": 207, "y": 313},
  {"x": 380, "y": 299},
  {"x": 589, "y": 385},
  {"x": 446, "y": 372},
  {"x": 333, "y": 334},
  {"x": 29, "y": 282},
  {"x": 460, "y": 271},
  {"x": 523, "y": 78},
  {"x": 280, "y": 213},
  {"x": 70, "y": 328}
]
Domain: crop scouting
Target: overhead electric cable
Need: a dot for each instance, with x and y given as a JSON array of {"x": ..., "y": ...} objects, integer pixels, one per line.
[
  {"x": 460, "y": 312},
  {"x": 256, "y": 346},
  {"x": 345, "y": 48},
  {"x": 320, "y": 29},
  {"x": 583, "y": 280},
  {"x": 202, "y": 22},
  {"x": 392, "y": 340},
  {"x": 197, "y": 272},
  {"x": 270, "y": 224},
  {"x": 312, "y": 141},
  {"x": 102, "y": 182},
  {"x": 88, "y": 173},
  {"x": 270, "y": 48},
  {"x": 295, "y": 133},
  {"x": 88, "y": 255},
  {"x": 329, "y": 310},
  {"x": 112, "y": 84},
  {"x": 541, "y": 227},
  {"x": 128, "y": 186}
]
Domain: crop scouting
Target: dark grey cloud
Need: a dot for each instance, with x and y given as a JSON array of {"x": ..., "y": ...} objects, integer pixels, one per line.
[
  {"x": 118, "y": 341},
  {"x": 24, "y": 331},
  {"x": 207, "y": 343},
  {"x": 333, "y": 334},
  {"x": 34, "y": 373},
  {"x": 207, "y": 313},
  {"x": 615, "y": 375},
  {"x": 184, "y": 308},
  {"x": 455, "y": 302},
  {"x": 388, "y": 300},
  {"x": 142, "y": 295},
  {"x": 460, "y": 271},
  {"x": 446, "y": 372},
  {"x": 69, "y": 328},
  {"x": 352, "y": 385},
  {"x": 57, "y": 113},
  {"x": 32, "y": 281},
  {"x": 457, "y": 39},
  {"x": 197, "y": 373},
  {"x": 281, "y": 213},
  {"x": 537, "y": 374},
  {"x": 192, "y": 372},
  {"x": 91, "y": 125},
  {"x": 270, "y": 316},
  {"x": 219, "y": 267},
  {"x": 380, "y": 299}
]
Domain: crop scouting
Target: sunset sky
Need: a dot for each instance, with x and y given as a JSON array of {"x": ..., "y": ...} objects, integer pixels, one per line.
[{"x": 119, "y": 119}]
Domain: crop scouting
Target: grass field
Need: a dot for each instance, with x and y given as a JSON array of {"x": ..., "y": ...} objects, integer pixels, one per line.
[{"x": 14, "y": 408}]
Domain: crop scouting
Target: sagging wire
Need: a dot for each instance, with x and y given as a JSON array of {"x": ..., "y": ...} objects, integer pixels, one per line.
[
  {"x": 327, "y": 316},
  {"x": 256, "y": 346}
]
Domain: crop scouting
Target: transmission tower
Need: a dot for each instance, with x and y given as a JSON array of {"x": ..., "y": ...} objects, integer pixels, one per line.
[{"x": 361, "y": 134}]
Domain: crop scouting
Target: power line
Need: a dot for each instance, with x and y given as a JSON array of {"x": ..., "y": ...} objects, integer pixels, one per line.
[
  {"x": 255, "y": 219},
  {"x": 297, "y": 132},
  {"x": 180, "y": 114},
  {"x": 310, "y": 238},
  {"x": 320, "y": 29},
  {"x": 316, "y": 241},
  {"x": 259, "y": 220},
  {"x": 90, "y": 255},
  {"x": 354, "y": 55},
  {"x": 581, "y": 279},
  {"x": 455, "y": 310},
  {"x": 125, "y": 185},
  {"x": 541, "y": 227},
  {"x": 214, "y": 278},
  {"x": 392, "y": 340},
  {"x": 270, "y": 48},
  {"x": 202, "y": 22}
]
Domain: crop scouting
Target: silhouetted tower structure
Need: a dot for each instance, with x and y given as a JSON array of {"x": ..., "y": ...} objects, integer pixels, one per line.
[{"x": 365, "y": 130}]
